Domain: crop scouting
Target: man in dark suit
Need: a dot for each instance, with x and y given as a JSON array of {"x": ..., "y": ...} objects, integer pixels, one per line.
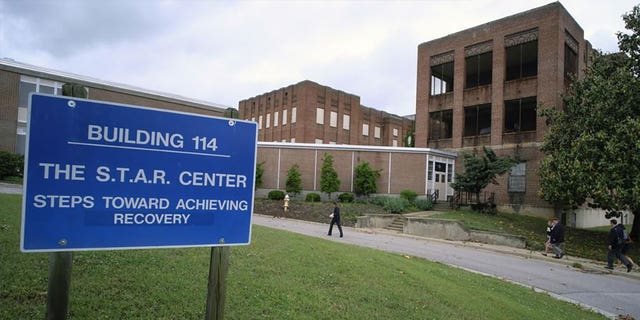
[{"x": 556, "y": 238}]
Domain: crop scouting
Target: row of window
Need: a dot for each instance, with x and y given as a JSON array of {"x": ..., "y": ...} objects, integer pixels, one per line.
[
  {"x": 276, "y": 117},
  {"x": 519, "y": 115}
]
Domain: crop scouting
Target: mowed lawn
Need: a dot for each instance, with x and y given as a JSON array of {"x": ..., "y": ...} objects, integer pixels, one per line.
[{"x": 280, "y": 275}]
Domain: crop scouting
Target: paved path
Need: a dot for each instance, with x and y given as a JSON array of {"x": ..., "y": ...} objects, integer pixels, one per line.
[{"x": 608, "y": 293}]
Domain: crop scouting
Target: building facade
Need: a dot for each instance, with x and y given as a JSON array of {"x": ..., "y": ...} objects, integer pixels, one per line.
[
  {"x": 308, "y": 112},
  {"x": 483, "y": 86},
  {"x": 18, "y": 80}
]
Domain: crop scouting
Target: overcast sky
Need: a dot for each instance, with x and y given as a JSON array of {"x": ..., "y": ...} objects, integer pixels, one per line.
[{"x": 227, "y": 51}]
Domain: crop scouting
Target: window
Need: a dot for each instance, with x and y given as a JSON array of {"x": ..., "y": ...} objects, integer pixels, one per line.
[
  {"x": 430, "y": 170},
  {"x": 517, "y": 177},
  {"x": 520, "y": 115},
  {"x": 365, "y": 129},
  {"x": 275, "y": 118},
  {"x": 395, "y": 143},
  {"x": 346, "y": 120},
  {"x": 395, "y": 132},
  {"x": 449, "y": 172},
  {"x": 318, "y": 141},
  {"x": 293, "y": 140},
  {"x": 478, "y": 69},
  {"x": 319, "y": 116},
  {"x": 259, "y": 122},
  {"x": 521, "y": 60},
  {"x": 28, "y": 85},
  {"x": 477, "y": 120},
  {"x": 570, "y": 63},
  {"x": 333, "y": 119},
  {"x": 440, "y": 124},
  {"x": 268, "y": 123},
  {"x": 442, "y": 78},
  {"x": 284, "y": 117},
  {"x": 376, "y": 132},
  {"x": 293, "y": 115}
]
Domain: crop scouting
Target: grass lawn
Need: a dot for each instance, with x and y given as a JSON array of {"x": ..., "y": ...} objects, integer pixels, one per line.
[
  {"x": 586, "y": 243},
  {"x": 280, "y": 275}
]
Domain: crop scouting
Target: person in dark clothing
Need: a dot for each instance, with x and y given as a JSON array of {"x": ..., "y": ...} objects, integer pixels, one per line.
[
  {"x": 335, "y": 218},
  {"x": 616, "y": 236},
  {"x": 557, "y": 238}
]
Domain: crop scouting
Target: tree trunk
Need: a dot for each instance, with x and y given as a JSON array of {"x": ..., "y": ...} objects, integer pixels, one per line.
[{"x": 635, "y": 228}]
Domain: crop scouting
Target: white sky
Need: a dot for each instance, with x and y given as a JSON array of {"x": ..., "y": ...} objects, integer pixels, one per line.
[{"x": 227, "y": 51}]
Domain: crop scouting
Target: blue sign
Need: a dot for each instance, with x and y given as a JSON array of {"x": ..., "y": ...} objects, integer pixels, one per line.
[{"x": 107, "y": 176}]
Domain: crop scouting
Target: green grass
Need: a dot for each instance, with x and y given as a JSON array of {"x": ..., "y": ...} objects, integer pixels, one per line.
[
  {"x": 585, "y": 243},
  {"x": 281, "y": 275}
]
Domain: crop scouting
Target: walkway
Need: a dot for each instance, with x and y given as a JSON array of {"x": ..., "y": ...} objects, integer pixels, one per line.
[{"x": 607, "y": 293}]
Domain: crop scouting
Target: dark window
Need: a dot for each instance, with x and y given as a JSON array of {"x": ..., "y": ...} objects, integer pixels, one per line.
[
  {"x": 478, "y": 70},
  {"x": 522, "y": 60},
  {"x": 440, "y": 124},
  {"x": 477, "y": 120},
  {"x": 442, "y": 78},
  {"x": 570, "y": 63},
  {"x": 520, "y": 115}
]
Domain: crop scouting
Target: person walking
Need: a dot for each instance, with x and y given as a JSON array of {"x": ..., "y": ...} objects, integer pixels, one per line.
[
  {"x": 616, "y": 242},
  {"x": 556, "y": 238},
  {"x": 547, "y": 244},
  {"x": 335, "y": 218}
]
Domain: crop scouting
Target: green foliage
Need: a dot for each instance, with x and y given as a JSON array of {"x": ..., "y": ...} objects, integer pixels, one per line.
[
  {"x": 294, "y": 180},
  {"x": 364, "y": 180},
  {"x": 410, "y": 195},
  {"x": 423, "y": 204},
  {"x": 592, "y": 145},
  {"x": 259, "y": 173},
  {"x": 312, "y": 197},
  {"x": 346, "y": 197},
  {"x": 410, "y": 139},
  {"x": 379, "y": 200},
  {"x": 11, "y": 165},
  {"x": 231, "y": 113},
  {"x": 329, "y": 181},
  {"x": 74, "y": 90},
  {"x": 480, "y": 171},
  {"x": 276, "y": 195},
  {"x": 396, "y": 205}
]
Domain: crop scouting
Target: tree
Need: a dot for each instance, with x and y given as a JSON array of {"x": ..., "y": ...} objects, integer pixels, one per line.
[
  {"x": 364, "y": 180},
  {"x": 480, "y": 171},
  {"x": 592, "y": 146},
  {"x": 294, "y": 180},
  {"x": 259, "y": 172},
  {"x": 329, "y": 181},
  {"x": 231, "y": 113}
]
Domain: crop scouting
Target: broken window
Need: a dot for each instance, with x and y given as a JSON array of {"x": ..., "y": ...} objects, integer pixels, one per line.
[
  {"x": 440, "y": 124},
  {"x": 570, "y": 63},
  {"x": 477, "y": 120},
  {"x": 520, "y": 115},
  {"x": 478, "y": 70},
  {"x": 521, "y": 55},
  {"x": 442, "y": 78}
]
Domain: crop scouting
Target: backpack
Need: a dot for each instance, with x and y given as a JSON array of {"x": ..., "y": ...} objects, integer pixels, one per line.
[{"x": 622, "y": 235}]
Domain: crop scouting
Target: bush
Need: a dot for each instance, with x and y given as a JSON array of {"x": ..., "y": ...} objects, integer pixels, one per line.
[
  {"x": 409, "y": 195},
  {"x": 379, "y": 200},
  {"x": 346, "y": 197},
  {"x": 485, "y": 207},
  {"x": 312, "y": 197},
  {"x": 11, "y": 165},
  {"x": 276, "y": 195},
  {"x": 423, "y": 204},
  {"x": 396, "y": 205}
]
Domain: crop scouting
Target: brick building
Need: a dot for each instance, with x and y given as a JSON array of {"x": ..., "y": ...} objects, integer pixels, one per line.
[
  {"x": 17, "y": 80},
  {"x": 308, "y": 112},
  {"x": 482, "y": 87}
]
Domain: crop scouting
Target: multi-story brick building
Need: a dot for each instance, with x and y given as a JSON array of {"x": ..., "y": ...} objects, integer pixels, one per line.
[
  {"x": 308, "y": 112},
  {"x": 482, "y": 87},
  {"x": 17, "y": 80}
]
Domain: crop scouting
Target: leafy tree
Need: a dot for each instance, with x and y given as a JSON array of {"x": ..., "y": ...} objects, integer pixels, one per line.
[
  {"x": 294, "y": 180},
  {"x": 593, "y": 142},
  {"x": 259, "y": 173},
  {"x": 329, "y": 181},
  {"x": 364, "y": 180},
  {"x": 231, "y": 113},
  {"x": 480, "y": 171}
]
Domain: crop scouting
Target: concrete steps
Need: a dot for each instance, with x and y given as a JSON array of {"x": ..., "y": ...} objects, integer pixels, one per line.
[{"x": 397, "y": 224}]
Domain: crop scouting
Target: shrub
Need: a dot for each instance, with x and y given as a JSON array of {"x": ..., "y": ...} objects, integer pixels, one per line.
[
  {"x": 396, "y": 205},
  {"x": 423, "y": 204},
  {"x": 276, "y": 195},
  {"x": 11, "y": 165},
  {"x": 346, "y": 197},
  {"x": 379, "y": 200},
  {"x": 409, "y": 195},
  {"x": 312, "y": 197},
  {"x": 485, "y": 207}
]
